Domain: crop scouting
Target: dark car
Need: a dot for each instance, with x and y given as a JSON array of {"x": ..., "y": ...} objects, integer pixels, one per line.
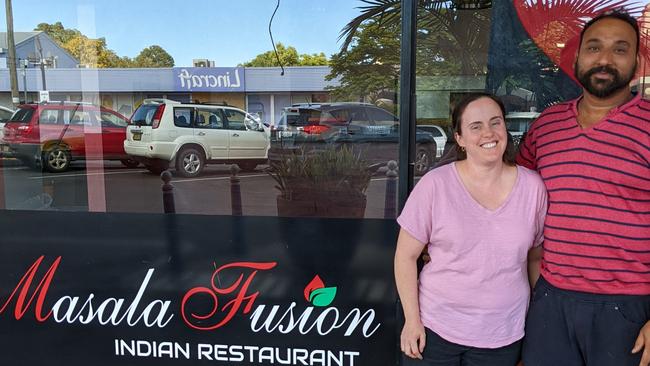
[
  {"x": 367, "y": 129},
  {"x": 51, "y": 135},
  {"x": 518, "y": 123}
]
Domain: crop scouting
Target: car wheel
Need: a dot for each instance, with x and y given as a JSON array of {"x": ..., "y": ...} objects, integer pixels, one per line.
[
  {"x": 248, "y": 166},
  {"x": 56, "y": 159},
  {"x": 423, "y": 160},
  {"x": 130, "y": 163},
  {"x": 189, "y": 162}
]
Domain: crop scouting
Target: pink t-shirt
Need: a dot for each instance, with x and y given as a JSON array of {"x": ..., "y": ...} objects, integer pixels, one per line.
[{"x": 475, "y": 290}]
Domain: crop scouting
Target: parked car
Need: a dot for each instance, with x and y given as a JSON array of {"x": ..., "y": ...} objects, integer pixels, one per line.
[
  {"x": 52, "y": 135},
  {"x": 438, "y": 134},
  {"x": 188, "y": 136},
  {"x": 368, "y": 130},
  {"x": 5, "y": 114},
  {"x": 518, "y": 123}
]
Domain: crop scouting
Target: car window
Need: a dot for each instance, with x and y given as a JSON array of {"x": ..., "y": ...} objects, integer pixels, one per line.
[
  {"x": 358, "y": 116},
  {"x": 235, "y": 119},
  {"x": 208, "y": 118},
  {"x": 517, "y": 124},
  {"x": 23, "y": 115},
  {"x": 112, "y": 120},
  {"x": 297, "y": 117},
  {"x": 337, "y": 115},
  {"x": 143, "y": 116},
  {"x": 381, "y": 118},
  {"x": 79, "y": 117},
  {"x": 49, "y": 117},
  {"x": 183, "y": 117}
]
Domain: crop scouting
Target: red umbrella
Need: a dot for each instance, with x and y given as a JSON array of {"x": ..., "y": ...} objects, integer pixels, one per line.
[{"x": 555, "y": 25}]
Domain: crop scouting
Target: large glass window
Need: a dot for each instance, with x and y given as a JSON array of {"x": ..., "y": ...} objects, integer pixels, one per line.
[
  {"x": 311, "y": 119},
  {"x": 196, "y": 103}
]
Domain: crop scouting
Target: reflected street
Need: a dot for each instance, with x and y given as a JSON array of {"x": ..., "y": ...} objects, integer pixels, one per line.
[{"x": 136, "y": 190}]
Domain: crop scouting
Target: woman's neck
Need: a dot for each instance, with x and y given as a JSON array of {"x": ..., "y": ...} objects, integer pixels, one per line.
[{"x": 486, "y": 173}]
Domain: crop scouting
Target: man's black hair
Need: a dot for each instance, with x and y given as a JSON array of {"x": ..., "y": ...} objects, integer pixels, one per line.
[{"x": 615, "y": 14}]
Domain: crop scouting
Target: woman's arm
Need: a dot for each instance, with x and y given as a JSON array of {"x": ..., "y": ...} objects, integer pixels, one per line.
[
  {"x": 413, "y": 336},
  {"x": 534, "y": 264}
]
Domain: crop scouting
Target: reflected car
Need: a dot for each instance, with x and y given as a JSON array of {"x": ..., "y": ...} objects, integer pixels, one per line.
[
  {"x": 438, "y": 134},
  {"x": 368, "y": 130},
  {"x": 52, "y": 135},
  {"x": 5, "y": 115},
  {"x": 518, "y": 123},
  {"x": 165, "y": 132}
]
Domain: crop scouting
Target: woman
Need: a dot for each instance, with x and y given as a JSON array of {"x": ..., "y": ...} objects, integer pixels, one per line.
[{"x": 481, "y": 217}]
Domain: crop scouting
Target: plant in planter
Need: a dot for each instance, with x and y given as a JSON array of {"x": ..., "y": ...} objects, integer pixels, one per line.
[{"x": 324, "y": 183}]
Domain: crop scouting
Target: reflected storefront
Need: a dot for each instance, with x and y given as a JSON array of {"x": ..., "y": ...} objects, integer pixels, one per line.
[{"x": 284, "y": 262}]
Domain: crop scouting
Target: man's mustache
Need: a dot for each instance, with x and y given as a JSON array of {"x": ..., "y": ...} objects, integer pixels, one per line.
[{"x": 605, "y": 69}]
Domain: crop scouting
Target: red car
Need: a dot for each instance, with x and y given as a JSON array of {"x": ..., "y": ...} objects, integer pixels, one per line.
[{"x": 51, "y": 135}]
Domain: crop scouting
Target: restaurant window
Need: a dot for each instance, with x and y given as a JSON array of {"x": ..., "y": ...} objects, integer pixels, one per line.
[{"x": 159, "y": 108}]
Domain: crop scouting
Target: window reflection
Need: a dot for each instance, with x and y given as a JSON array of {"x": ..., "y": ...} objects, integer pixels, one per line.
[{"x": 99, "y": 138}]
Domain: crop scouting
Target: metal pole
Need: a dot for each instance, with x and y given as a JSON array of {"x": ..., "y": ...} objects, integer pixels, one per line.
[
  {"x": 391, "y": 190},
  {"x": 42, "y": 60},
  {"x": 167, "y": 192},
  {"x": 235, "y": 191},
  {"x": 407, "y": 101},
  {"x": 24, "y": 64},
  {"x": 13, "y": 76}
]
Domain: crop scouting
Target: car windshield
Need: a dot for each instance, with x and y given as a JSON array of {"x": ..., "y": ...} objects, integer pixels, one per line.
[
  {"x": 22, "y": 115},
  {"x": 295, "y": 117},
  {"x": 143, "y": 116},
  {"x": 300, "y": 117}
]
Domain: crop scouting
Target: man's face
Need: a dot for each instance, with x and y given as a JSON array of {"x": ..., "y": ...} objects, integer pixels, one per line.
[{"x": 607, "y": 57}]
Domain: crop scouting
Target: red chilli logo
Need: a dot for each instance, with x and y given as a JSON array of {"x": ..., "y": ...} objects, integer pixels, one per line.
[{"x": 317, "y": 294}]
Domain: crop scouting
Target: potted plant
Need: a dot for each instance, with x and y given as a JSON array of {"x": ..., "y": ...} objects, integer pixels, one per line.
[{"x": 321, "y": 183}]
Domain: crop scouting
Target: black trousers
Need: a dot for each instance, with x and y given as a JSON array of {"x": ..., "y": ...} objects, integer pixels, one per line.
[
  {"x": 570, "y": 328},
  {"x": 440, "y": 352}
]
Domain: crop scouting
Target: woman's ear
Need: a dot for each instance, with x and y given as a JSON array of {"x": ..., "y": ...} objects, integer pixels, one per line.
[{"x": 457, "y": 138}]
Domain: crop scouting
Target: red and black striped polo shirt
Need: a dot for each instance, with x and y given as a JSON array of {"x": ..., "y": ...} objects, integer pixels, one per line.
[{"x": 597, "y": 230}]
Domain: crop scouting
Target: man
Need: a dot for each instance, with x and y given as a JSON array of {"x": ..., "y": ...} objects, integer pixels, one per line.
[{"x": 591, "y": 305}]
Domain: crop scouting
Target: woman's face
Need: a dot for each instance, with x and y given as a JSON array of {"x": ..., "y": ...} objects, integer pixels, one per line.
[{"x": 483, "y": 132}]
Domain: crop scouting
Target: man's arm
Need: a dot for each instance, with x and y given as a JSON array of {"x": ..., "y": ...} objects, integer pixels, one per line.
[{"x": 534, "y": 263}]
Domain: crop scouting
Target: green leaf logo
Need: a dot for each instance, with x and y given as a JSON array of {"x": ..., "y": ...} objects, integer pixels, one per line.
[{"x": 322, "y": 296}]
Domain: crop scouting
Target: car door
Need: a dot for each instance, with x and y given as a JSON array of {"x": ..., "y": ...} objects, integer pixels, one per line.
[
  {"x": 77, "y": 124},
  {"x": 113, "y": 133},
  {"x": 210, "y": 131},
  {"x": 51, "y": 125},
  {"x": 383, "y": 136},
  {"x": 245, "y": 142}
]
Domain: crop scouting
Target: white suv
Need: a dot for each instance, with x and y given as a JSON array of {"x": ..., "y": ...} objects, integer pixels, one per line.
[{"x": 165, "y": 132}]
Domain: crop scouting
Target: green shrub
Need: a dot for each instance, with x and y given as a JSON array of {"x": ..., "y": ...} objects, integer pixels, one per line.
[{"x": 333, "y": 172}]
